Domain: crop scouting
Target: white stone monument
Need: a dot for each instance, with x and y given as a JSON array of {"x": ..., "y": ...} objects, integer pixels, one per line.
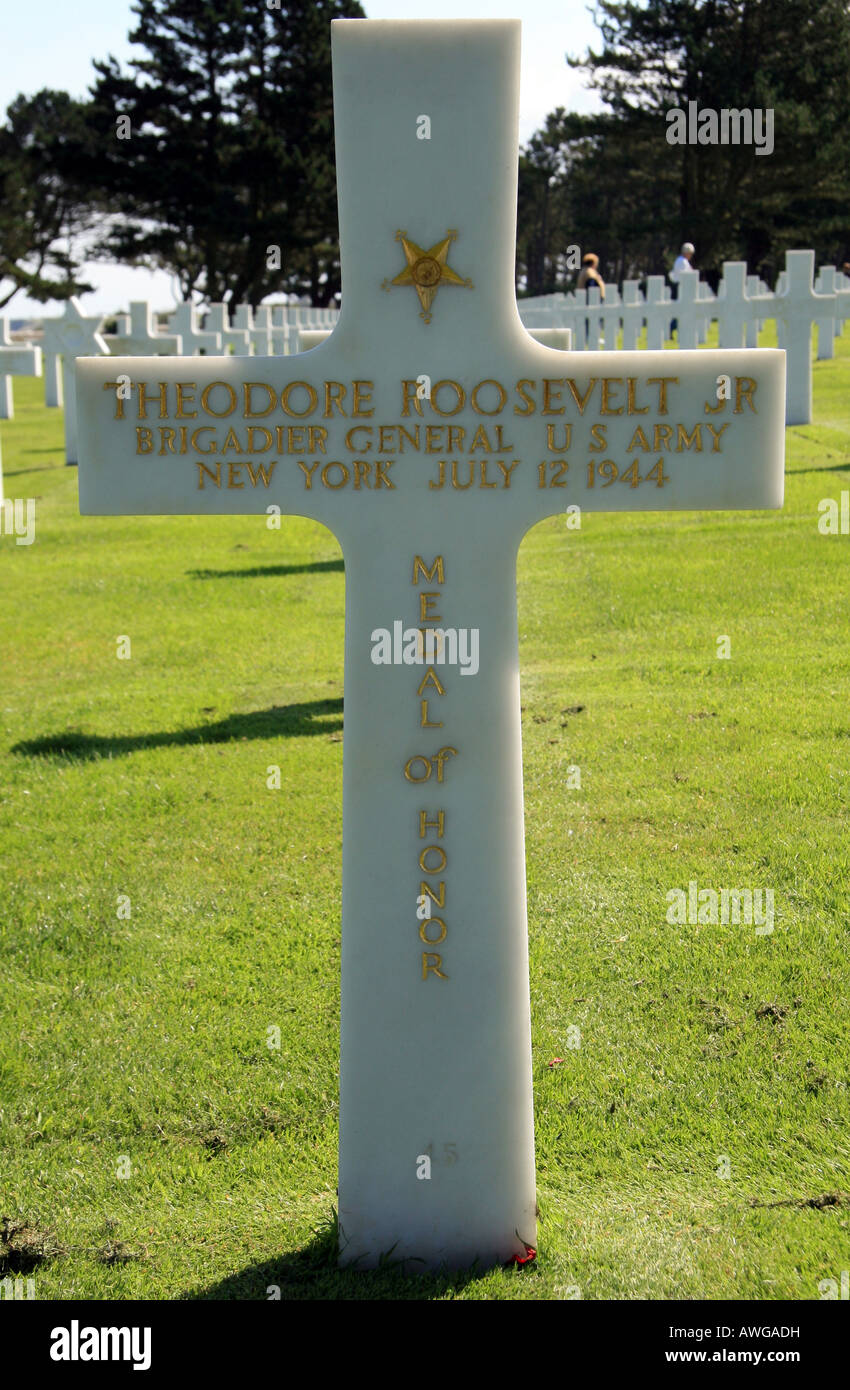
[
  {"x": 429, "y": 433},
  {"x": 282, "y": 334}
]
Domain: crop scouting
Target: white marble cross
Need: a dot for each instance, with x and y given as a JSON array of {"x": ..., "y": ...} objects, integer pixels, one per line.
[
  {"x": 580, "y": 319},
  {"x": 121, "y": 329},
  {"x": 829, "y": 282},
  {"x": 54, "y": 394},
  {"x": 593, "y": 318},
  {"x": 184, "y": 323},
  {"x": 16, "y": 359},
  {"x": 610, "y": 318},
  {"x": 707, "y": 297},
  {"x": 257, "y": 323},
  {"x": 282, "y": 335},
  {"x": 237, "y": 340},
  {"x": 658, "y": 311},
  {"x": 733, "y": 310},
  {"x": 632, "y": 314},
  {"x": 760, "y": 298},
  {"x": 687, "y": 314},
  {"x": 68, "y": 338},
  {"x": 429, "y": 432},
  {"x": 842, "y": 301},
  {"x": 797, "y": 307},
  {"x": 144, "y": 337}
]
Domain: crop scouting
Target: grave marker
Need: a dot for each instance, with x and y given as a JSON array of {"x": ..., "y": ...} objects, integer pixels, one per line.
[
  {"x": 706, "y": 295},
  {"x": 184, "y": 323},
  {"x": 829, "y": 327},
  {"x": 54, "y": 394},
  {"x": 610, "y": 318},
  {"x": 687, "y": 314},
  {"x": 281, "y": 335},
  {"x": 144, "y": 337},
  {"x": 593, "y": 320},
  {"x": 797, "y": 307},
  {"x": 68, "y": 338},
  {"x": 15, "y": 360},
  {"x": 429, "y": 448},
  {"x": 632, "y": 314},
  {"x": 257, "y": 323},
  {"x": 658, "y": 311},
  {"x": 234, "y": 339},
  {"x": 119, "y": 331},
  {"x": 581, "y": 322},
  {"x": 759, "y": 300},
  {"x": 734, "y": 311}
]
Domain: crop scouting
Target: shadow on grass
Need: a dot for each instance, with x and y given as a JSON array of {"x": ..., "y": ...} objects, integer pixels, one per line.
[
  {"x": 311, "y": 1273},
  {"x": 36, "y": 468},
  {"x": 314, "y": 567},
  {"x": 827, "y": 468},
  {"x": 280, "y": 721}
]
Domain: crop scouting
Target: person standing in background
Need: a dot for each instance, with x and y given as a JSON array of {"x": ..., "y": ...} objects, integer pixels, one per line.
[
  {"x": 589, "y": 274},
  {"x": 682, "y": 264}
]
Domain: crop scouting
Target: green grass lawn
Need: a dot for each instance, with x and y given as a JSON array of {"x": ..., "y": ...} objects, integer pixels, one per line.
[{"x": 153, "y": 1146}]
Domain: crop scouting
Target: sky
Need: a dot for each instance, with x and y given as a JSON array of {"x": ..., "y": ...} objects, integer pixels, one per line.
[{"x": 72, "y": 32}]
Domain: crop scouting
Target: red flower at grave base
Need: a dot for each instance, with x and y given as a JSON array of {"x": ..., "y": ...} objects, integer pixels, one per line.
[
  {"x": 555, "y": 1062},
  {"x": 522, "y": 1260}
]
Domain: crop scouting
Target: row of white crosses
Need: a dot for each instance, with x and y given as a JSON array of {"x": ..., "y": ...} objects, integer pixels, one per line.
[
  {"x": 580, "y": 320},
  {"x": 741, "y": 307},
  {"x": 831, "y": 283},
  {"x": 270, "y": 330}
]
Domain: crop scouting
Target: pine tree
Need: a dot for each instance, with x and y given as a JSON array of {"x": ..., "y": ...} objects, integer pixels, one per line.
[
  {"x": 226, "y": 178},
  {"x": 44, "y": 213}
]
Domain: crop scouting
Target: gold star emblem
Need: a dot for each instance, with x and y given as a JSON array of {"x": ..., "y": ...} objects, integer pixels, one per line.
[{"x": 426, "y": 270}]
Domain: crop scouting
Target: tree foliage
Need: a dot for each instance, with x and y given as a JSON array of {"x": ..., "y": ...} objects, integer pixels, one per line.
[
  {"x": 229, "y": 119},
  {"x": 44, "y": 209}
]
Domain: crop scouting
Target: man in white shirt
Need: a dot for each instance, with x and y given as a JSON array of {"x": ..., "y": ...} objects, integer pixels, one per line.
[{"x": 682, "y": 262}]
